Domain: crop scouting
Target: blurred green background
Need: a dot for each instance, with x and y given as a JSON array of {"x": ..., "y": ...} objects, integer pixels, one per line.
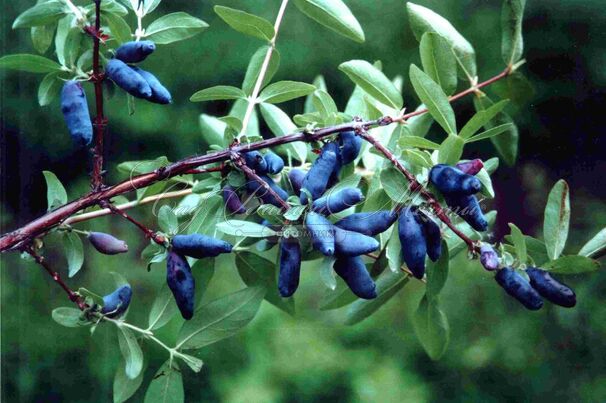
[{"x": 498, "y": 350}]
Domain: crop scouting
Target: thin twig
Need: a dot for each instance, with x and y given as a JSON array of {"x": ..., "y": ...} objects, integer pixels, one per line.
[
  {"x": 159, "y": 239},
  {"x": 100, "y": 122}
]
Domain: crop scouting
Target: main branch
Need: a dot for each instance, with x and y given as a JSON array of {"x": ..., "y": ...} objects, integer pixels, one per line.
[{"x": 100, "y": 122}]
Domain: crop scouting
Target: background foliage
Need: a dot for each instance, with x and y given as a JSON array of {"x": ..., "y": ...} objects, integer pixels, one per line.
[{"x": 498, "y": 351}]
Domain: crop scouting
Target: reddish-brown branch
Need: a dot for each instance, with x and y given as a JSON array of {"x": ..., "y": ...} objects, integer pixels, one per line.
[
  {"x": 159, "y": 239},
  {"x": 41, "y": 225},
  {"x": 78, "y": 300},
  {"x": 100, "y": 122}
]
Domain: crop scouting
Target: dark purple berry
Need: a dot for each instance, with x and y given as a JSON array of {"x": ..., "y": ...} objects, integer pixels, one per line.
[
  {"x": 451, "y": 181},
  {"x": 517, "y": 286},
  {"x": 255, "y": 161},
  {"x": 470, "y": 167},
  {"x": 468, "y": 208},
  {"x": 258, "y": 190},
  {"x": 128, "y": 79},
  {"x": 199, "y": 246},
  {"x": 296, "y": 177},
  {"x": 232, "y": 201},
  {"x": 550, "y": 288},
  {"x": 412, "y": 238},
  {"x": 181, "y": 282},
  {"x": 433, "y": 236},
  {"x": 116, "y": 303},
  {"x": 290, "y": 266},
  {"x": 107, "y": 244},
  {"x": 135, "y": 52},
  {"x": 353, "y": 271},
  {"x": 76, "y": 114},
  {"x": 489, "y": 258}
]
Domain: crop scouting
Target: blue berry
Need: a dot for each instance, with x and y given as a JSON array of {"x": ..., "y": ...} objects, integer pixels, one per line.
[
  {"x": 433, "y": 236},
  {"x": 353, "y": 271},
  {"x": 550, "y": 288},
  {"x": 316, "y": 180},
  {"x": 349, "y": 243},
  {"x": 76, "y": 114},
  {"x": 322, "y": 233},
  {"x": 107, "y": 244},
  {"x": 489, "y": 258},
  {"x": 199, "y": 246},
  {"x": 337, "y": 201},
  {"x": 128, "y": 79},
  {"x": 182, "y": 283},
  {"x": 368, "y": 223},
  {"x": 258, "y": 190},
  {"x": 255, "y": 161},
  {"x": 350, "y": 146},
  {"x": 160, "y": 94},
  {"x": 135, "y": 52},
  {"x": 468, "y": 208},
  {"x": 517, "y": 286},
  {"x": 412, "y": 238},
  {"x": 290, "y": 266},
  {"x": 274, "y": 163},
  {"x": 451, "y": 181},
  {"x": 116, "y": 303},
  {"x": 232, "y": 201}
]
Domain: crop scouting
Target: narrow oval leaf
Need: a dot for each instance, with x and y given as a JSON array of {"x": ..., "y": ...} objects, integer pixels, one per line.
[
  {"x": 434, "y": 98},
  {"x": 29, "y": 63},
  {"x": 131, "y": 351},
  {"x": 424, "y": 20},
  {"x": 437, "y": 273},
  {"x": 512, "y": 46},
  {"x": 163, "y": 308},
  {"x": 254, "y": 68},
  {"x": 334, "y": 15},
  {"x": 431, "y": 328},
  {"x": 166, "y": 385},
  {"x": 557, "y": 218},
  {"x": 42, "y": 37},
  {"x": 495, "y": 131},
  {"x": 519, "y": 242},
  {"x": 219, "y": 92},
  {"x": 373, "y": 81},
  {"x": 55, "y": 192},
  {"x": 327, "y": 274},
  {"x": 73, "y": 252},
  {"x": 246, "y": 23},
  {"x": 283, "y": 91},
  {"x": 481, "y": 118},
  {"x": 245, "y": 228},
  {"x": 325, "y": 105},
  {"x": 394, "y": 184},
  {"x": 119, "y": 28},
  {"x": 221, "y": 318},
  {"x": 438, "y": 61},
  {"x": 572, "y": 265},
  {"x": 174, "y": 27},
  {"x": 124, "y": 387},
  {"x": 451, "y": 150},
  {"x": 280, "y": 124},
  {"x": 417, "y": 142},
  {"x": 49, "y": 88},
  {"x": 68, "y": 317},
  {"x": 41, "y": 14},
  {"x": 213, "y": 130},
  {"x": 594, "y": 245},
  {"x": 507, "y": 143}
]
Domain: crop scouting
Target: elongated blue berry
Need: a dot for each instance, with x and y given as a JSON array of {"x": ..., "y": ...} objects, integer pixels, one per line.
[
  {"x": 296, "y": 177},
  {"x": 335, "y": 202},
  {"x": 116, "y": 303},
  {"x": 433, "y": 236},
  {"x": 255, "y": 161},
  {"x": 468, "y": 208},
  {"x": 199, "y": 246},
  {"x": 349, "y": 243},
  {"x": 470, "y": 167},
  {"x": 232, "y": 201},
  {"x": 274, "y": 163},
  {"x": 451, "y": 181},
  {"x": 353, "y": 271},
  {"x": 316, "y": 180},
  {"x": 290, "y": 266},
  {"x": 76, "y": 114},
  {"x": 489, "y": 257},
  {"x": 412, "y": 238},
  {"x": 350, "y": 146},
  {"x": 322, "y": 233},
  {"x": 550, "y": 288},
  {"x": 517, "y": 286},
  {"x": 107, "y": 244},
  {"x": 368, "y": 223},
  {"x": 258, "y": 190},
  {"x": 128, "y": 79},
  {"x": 135, "y": 52},
  {"x": 182, "y": 283},
  {"x": 160, "y": 94}
]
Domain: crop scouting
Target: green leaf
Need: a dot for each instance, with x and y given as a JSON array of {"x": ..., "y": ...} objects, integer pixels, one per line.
[
  {"x": 438, "y": 61},
  {"x": 96, "y": 298},
  {"x": 324, "y": 104},
  {"x": 373, "y": 82},
  {"x": 327, "y": 274},
  {"x": 167, "y": 220},
  {"x": 507, "y": 143},
  {"x": 41, "y": 14},
  {"x": 393, "y": 252},
  {"x": 246, "y": 23},
  {"x": 174, "y": 27},
  {"x": 481, "y": 119},
  {"x": 124, "y": 387},
  {"x": 512, "y": 46},
  {"x": 42, "y": 37},
  {"x": 434, "y": 98},
  {"x": 68, "y": 317},
  {"x": 280, "y": 124},
  {"x": 417, "y": 142},
  {"x": 140, "y": 167},
  {"x": 424, "y": 20},
  {"x": 73, "y": 252},
  {"x": 451, "y": 150},
  {"x": 594, "y": 245},
  {"x": 119, "y": 29},
  {"x": 29, "y": 63},
  {"x": 221, "y": 318},
  {"x": 256, "y": 270},
  {"x": 394, "y": 184},
  {"x": 573, "y": 264},
  {"x": 484, "y": 177},
  {"x": 64, "y": 28},
  {"x": 49, "y": 88},
  {"x": 557, "y": 218},
  {"x": 388, "y": 284},
  {"x": 517, "y": 88},
  {"x": 334, "y": 15},
  {"x": 431, "y": 327},
  {"x": 213, "y": 130},
  {"x": 245, "y": 228},
  {"x": 55, "y": 192},
  {"x": 519, "y": 243},
  {"x": 283, "y": 91},
  {"x": 148, "y": 5},
  {"x": 204, "y": 220},
  {"x": 437, "y": 273},
  {"x": 495, "y": 131},
  {"x": 166, "y": 385},
  {"x": 218, "y": 92},
  {"x": 254, "y": 68},
  {"x": 131, "y": 351}
]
